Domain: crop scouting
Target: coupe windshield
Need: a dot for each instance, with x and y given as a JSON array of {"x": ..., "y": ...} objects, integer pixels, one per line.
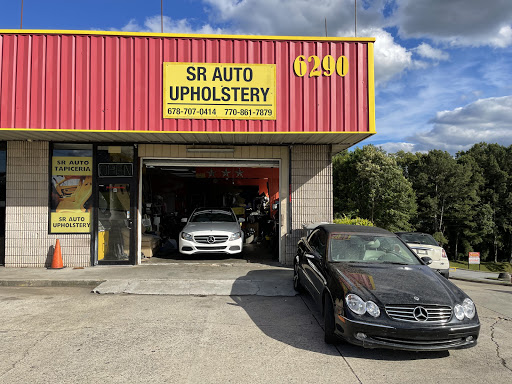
[
  {"x": 369, "y": 248},
  {"x": 213, "y": 215},
  {"x": 418, "y": 238}
]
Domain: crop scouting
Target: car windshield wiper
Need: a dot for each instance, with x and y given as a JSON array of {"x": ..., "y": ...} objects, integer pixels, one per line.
[
  {"x": 394, "y": 262},
  {"x": 347, "y": 261}
]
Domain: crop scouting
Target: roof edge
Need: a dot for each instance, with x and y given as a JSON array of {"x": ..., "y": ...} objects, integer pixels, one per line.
[
  {"x": 184, "y": 132},
  {"x": 181, "y": 35}
]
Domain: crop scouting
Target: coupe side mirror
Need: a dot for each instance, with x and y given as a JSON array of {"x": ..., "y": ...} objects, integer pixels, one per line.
[
  {"x": 427, "y": 260},
  {"x": 241, "y": 220},
  {"x": 184, "y": 220}
]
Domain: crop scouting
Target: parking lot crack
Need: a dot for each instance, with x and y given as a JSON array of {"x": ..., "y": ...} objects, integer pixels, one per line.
[
  {"x": 25, "y": 354},
  {"x": 337, "y": 348},
  {"x": 498, "y": 354}
]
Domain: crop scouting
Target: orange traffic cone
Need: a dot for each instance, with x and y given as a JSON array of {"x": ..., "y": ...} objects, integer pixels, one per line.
[{"x": 57, "y": 257}]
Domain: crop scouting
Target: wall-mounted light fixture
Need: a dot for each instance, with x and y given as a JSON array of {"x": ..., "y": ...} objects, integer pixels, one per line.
[{"x": 211, "y": 150}]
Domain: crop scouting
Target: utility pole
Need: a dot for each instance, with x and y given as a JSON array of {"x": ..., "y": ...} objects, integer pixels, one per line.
[
  {"x": 355, "y": 18},
  {"x": 21, "y": 22}
]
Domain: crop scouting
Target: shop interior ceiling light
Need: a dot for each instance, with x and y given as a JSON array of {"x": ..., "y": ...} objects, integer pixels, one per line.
[{"x": 225, "y": 150}]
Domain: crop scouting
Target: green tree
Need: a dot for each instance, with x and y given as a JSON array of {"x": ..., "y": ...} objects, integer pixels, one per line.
[
  {"x": 369, "y": 184},
  {"x": 493, "y": 164},
  {"x": 446, "y": 196}
]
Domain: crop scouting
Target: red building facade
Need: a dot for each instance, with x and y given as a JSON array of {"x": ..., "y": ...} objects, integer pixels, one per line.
[{"x": 111, "y": 89}]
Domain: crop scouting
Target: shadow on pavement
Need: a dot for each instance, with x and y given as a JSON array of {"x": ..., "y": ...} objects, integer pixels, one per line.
[{"x": 297, "y": 322}]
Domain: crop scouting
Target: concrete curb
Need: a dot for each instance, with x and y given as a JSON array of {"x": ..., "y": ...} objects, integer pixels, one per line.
[
  {"x": 50, "y": 283},
  {"x": 194, "y": 287}
]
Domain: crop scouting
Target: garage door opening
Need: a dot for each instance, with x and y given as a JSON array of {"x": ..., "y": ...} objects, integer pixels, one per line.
[{"x": 172, "y": 190}]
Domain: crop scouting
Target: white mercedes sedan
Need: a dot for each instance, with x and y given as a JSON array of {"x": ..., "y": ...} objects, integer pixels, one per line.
[{"x": 211, "y": 230}]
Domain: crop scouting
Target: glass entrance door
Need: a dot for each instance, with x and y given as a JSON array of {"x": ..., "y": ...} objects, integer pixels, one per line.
[{"x": 115, "y": 221}]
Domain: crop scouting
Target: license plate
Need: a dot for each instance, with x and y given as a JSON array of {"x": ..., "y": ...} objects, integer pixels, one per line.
[{"x": 421, "y": 252}]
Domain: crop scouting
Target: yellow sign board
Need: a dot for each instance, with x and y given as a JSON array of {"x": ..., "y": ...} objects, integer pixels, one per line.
[
  {"x": 66, "y": 166},
  {"x": 70, "y": 222},
  {"x": 219, "y": 91}
]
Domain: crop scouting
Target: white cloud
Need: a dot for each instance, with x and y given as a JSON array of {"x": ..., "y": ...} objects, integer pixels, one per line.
[
  {"x": 392, "y": 147},
  {"x": 485, "y": 120},
  {"x": 295, "y": 17},
  {"x": 153, "y": 24},
  {"x": 390, "y": 58},
  {"x": 504, "y": 37},
  {"x": 456, "y": 22},
  {"x": 427, "y": 51}
]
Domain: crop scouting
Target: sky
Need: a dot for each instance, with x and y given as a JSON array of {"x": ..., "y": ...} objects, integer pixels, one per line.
[{"x": 443, "y": 68}]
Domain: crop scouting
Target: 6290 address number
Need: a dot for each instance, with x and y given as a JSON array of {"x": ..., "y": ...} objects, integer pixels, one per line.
[{"x": 328, "y": 64}]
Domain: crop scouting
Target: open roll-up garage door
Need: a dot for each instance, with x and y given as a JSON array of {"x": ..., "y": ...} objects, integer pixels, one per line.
[
  {"x": 212, "y": 163},
  {"x": 173, "y": 188}
]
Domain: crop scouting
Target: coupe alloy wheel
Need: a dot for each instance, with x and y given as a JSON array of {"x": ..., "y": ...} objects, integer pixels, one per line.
[{"x": 296, "y": 278}]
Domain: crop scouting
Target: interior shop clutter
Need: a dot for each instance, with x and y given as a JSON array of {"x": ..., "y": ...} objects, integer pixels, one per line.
[{"x": 163, "y": 214}]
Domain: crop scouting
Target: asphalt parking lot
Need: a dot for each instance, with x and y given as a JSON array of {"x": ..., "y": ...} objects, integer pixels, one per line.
[{"x": 69, "y": 335}]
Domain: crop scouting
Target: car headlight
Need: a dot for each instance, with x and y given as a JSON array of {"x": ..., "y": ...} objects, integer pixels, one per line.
[
  {"x": 186, "y": 236},
  {"x": 360, "y": 307},
  {"x": 469, "y": 308},
  {"x": 459, "y": 311},
  {"x": 372, "y": 309},
  {"x": 235, "y": 236},
  {"x": 355, "y": 304}
]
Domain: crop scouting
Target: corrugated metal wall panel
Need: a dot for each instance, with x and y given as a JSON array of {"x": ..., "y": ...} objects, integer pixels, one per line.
[
  {"x": 23, "y": 80},
  {"x": 97, "y": 86},
  {"x": 7, "y": 81},
  {"x": 52, "y": 96},
  {"x": 96, "y": 82},
  {"x": 38, "y": 85}
]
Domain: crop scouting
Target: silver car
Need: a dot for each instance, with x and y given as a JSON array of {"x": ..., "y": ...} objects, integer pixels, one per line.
[
  {"x": 211, "y": 230},
  {"x": 424, "y": 244}
]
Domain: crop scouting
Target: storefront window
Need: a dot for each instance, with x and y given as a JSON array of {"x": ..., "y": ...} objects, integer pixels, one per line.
[{"x": 71, "y": 188}]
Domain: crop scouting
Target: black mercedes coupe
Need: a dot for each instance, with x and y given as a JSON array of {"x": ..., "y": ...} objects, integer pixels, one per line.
[{"x": 374, "y": 291}]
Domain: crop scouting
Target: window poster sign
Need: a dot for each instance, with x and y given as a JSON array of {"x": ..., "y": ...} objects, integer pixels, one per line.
[
  {"x": 71, "y": 194},
  {"x": 219, "y": 91}
]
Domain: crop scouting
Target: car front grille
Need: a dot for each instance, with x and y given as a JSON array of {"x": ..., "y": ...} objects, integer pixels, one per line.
[
  {"x": 422, "y": 344},
  {"x": 420, "y": 313},
  {"x": 214, "y": 239},
  {"x": 210, "y": 248}
]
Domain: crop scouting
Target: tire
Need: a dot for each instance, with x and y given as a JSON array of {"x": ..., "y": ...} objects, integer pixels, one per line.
[
  {"x": 329, "y": 323},
  {"x": 446, "y": 275},
  {"x": 296, "y": 279}
]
